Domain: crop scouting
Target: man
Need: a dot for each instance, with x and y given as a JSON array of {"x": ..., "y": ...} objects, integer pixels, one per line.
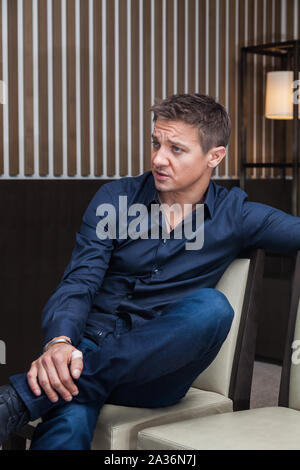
[{"x": 143, "y": 309}]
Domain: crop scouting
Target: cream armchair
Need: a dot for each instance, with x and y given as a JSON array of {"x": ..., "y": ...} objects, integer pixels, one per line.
[
  {"x": 268, "y": 428},
  {"x": 224, "y": 386}
]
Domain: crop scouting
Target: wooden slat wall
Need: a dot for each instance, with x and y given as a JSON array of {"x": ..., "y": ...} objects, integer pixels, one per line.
[{"x": 92, "y": 68}]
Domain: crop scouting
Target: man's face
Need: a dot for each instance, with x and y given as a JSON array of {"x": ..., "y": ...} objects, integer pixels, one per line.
[{"x": 178, "y": 162}]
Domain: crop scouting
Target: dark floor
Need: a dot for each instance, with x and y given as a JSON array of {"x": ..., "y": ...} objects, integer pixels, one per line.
[{"x": 265, "y": 385}]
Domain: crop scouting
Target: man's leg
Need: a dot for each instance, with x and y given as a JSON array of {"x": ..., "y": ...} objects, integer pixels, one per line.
[
  {"x": 70, "y": 426},
  {"x": 187, "y": 334},
  {"x": 166, "y": 390}
]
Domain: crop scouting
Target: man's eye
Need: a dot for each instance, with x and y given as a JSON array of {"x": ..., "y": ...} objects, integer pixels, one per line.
[
  {"x": 176, "y": 149},
  {"x": 155, "y": 144}
]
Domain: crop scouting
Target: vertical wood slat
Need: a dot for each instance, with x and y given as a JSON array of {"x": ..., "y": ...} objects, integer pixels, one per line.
[
  {"x": 241, "y": 43},
  {"x": 28, "y": 89},
  {"x": 250, "y": 78},
  {"x": 98, "y": 137},
  {"x": 290, "y": 20},
  {"x": 84, "y": 88},
  {"x": 1, "y": 106},
  {"x": 289, "y": 124},
  {"x": 158, "y": 49},
  {"x": 298, "y": 20},
  {"x": 212, "y": 47},
  {"x": 259, "y": 88},
  {"x": 222, "y": 70},
  {"x": 110, "y": 74},
  {"x": 268, "y": 61},
  {"x": 135, "y": 139},
  {"x": 277, "y": 32},
  {"x": 170, "y": 47},
  {"x": 43, "y": 88},
  {"x": 71, "y": 88},
  {"x": 12, "y": 86},
  {"x": 191, "y": 46},
  {"x": 232, "y": 98},
  {"x": 57, "y": 88},
  {"x": 123, "y": 87},
  {"x": 147, "y": 82},
  {"x": 202, "y": 41},
  {"x": 180, "y": 45},
  {"x": 279, "y": 125}
]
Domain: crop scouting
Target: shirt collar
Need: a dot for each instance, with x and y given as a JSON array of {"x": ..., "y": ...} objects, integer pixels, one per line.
[
  {"x": 209, "y": 200},
  {"x": 152, "y": 196}
]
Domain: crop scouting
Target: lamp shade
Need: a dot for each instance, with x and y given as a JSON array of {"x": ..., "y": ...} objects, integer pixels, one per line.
[{"x": 279, "y": 95}]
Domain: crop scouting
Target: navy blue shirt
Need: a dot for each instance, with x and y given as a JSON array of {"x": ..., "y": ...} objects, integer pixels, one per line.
[{"x": 136, "y": 278}]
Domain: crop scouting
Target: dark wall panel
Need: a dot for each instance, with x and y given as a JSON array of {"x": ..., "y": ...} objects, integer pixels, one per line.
[{"x": 39, "y": 220}]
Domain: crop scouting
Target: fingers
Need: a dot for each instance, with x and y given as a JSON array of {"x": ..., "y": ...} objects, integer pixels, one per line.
[
  {"x": 59, "y": 379},
  {"x": 32, "y": 379},
  {"x": 45, "y": 384},
  {"x": 68, "y": 387},
  {"x": 76, "y": 364},
  {"x": 51, "y": 373},
  {"x": 37, "y": 378}
]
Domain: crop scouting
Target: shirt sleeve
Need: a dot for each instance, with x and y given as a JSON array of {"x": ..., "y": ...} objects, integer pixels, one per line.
[
  {"x": 268, "y": 228},
  {"x": 66, "y": 312}
]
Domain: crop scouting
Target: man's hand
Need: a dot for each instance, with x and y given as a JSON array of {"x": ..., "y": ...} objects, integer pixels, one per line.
[{"x": 54, "y": 372}]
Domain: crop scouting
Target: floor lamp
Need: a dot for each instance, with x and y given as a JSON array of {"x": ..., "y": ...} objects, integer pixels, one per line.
[{"x": 281, "y": 103}]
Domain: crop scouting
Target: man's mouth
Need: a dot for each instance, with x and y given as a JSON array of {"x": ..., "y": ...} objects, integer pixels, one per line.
[{"x": 160, "y": 175}]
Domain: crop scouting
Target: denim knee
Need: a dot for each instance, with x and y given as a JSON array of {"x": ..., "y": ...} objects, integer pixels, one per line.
[
  {"x": 207, "y": 310},
  {"x": 221, "y": 305},
  {"x": 224, "y": 311}
]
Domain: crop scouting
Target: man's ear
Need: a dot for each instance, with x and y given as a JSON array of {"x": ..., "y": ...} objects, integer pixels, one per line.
[{"x": 215, "y": 156}]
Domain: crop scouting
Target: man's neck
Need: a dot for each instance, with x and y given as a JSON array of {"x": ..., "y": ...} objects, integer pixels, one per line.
[
  {"x": 180, "y": 205},
  {"x": 181, "y": 197}
]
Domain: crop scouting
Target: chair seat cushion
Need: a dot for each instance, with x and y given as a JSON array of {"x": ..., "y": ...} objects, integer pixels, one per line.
[
  {"x": 271, "y": 428},
  {"x": 118, "y": 426}
]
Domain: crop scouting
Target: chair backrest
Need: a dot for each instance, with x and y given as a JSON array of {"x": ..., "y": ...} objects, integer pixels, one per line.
[
  {"x": 230, "y": 374},
  {"x": 289, "y": 394}
]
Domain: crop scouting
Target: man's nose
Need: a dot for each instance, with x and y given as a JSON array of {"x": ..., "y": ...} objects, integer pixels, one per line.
[{"x": 160, "y": 157}]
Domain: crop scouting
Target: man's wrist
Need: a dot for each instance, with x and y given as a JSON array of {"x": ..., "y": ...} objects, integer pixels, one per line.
[
  {"x": 57, "y": 340},
  {"x": 65, "y": 337}
]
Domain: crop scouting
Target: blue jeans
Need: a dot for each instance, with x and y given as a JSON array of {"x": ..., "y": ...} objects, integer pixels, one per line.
[{"x": 149, "y": 366}]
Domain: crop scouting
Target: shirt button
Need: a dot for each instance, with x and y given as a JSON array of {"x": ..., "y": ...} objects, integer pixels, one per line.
[
  {"x": 164, "y": 241},
  {"x": 156, "y": 270},
  {"x": 129, "y": 296}
]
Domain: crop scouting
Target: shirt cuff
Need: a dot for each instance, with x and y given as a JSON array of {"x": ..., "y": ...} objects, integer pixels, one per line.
[{"x": 62, "y": 328}]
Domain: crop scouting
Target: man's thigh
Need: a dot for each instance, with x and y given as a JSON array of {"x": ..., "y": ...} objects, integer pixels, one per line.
[
  {"x": 169, "y": 388},
  {"x": 166, "y": 390}
]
